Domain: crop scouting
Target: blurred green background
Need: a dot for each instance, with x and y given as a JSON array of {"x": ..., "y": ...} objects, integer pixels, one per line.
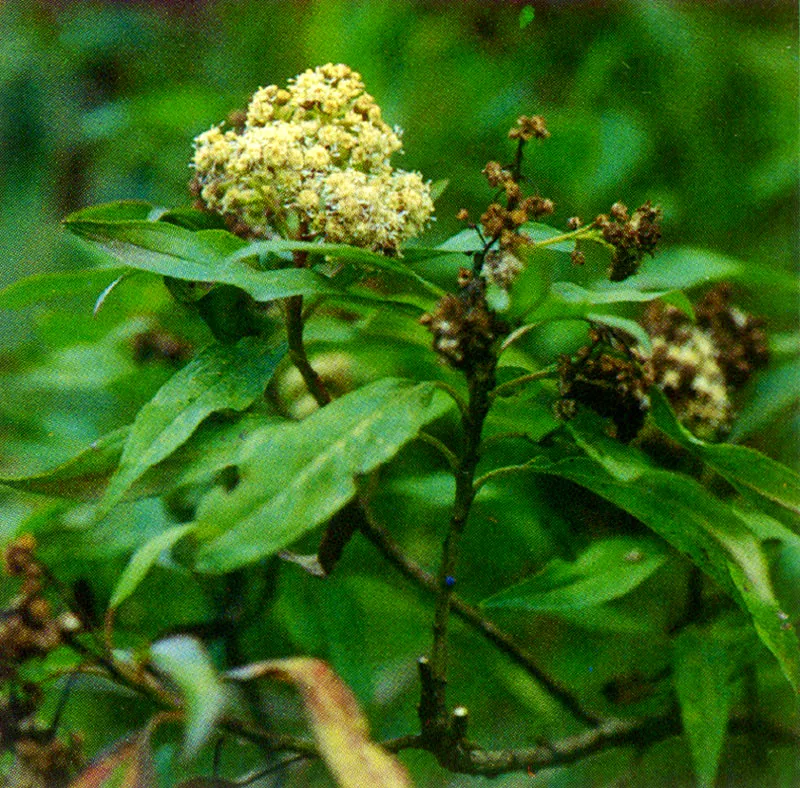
[{"x": 691, "y": 105}]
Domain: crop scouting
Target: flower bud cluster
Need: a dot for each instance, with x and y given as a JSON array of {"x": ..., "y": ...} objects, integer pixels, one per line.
[
  {"x": 631, "y": 236},
  {"x": 317, "y": 155}
]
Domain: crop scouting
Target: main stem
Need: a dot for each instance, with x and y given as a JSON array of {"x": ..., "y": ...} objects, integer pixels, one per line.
[
  {"x": 293, "y": 308},
  {"x": 433, "y": 704}
]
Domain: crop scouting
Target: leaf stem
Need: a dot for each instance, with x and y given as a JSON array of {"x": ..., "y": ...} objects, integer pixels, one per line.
[
  {"x": 454, "y": 394},
  {"x": 509, "y": 386},
  {"x": 431, "y": 440},
  {"x": 581, "y": 232},
  {"x": 504, "y": 471}
]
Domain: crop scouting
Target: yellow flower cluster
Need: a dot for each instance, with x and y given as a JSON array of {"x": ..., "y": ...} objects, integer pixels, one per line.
[{"x": 315, "y": 156}]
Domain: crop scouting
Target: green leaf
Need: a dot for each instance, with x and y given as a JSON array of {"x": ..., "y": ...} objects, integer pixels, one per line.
[
  {"x": 614, "y": 293},
  {"x": 119, "y": 211},
  {"x": 465, "y": 241},
  {"x": 625, "y": 463},
  {"x": 299, "y": 475},
  {"x": 683, "y": 268},
  {"x": 143, "y": 560},
  {"x": 438, "y": 188},
  {"x": 187, "y": 663},
  {"x": 350, "y": 254},
  {"x": 82, "y": 477},
  {"x": 630, "y": 327},
  {"x": 686, "y": 267},
  {"x": 775, "y": 391},
  {"x": 703, "y": 669},
  {"x": 740, "y": 465},
  {"x": 568, "y": 301},
  {"x": 220, "y": 377},
  {"x": 202, "y": 256},
  {"x": 192, "y": 219},
  {"x": 607, "y": 570},
  {"x": 717, "y": 540},
  {"x": 57, "y": 286}
]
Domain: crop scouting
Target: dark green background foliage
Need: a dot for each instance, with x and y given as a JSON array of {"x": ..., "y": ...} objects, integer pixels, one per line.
[{"x": 692, "y": 106}]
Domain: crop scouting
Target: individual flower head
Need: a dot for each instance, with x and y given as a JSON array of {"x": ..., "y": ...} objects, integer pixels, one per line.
[{"x": 313, "y": 159}]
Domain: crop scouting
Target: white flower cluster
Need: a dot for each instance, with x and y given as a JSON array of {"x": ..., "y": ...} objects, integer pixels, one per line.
[
  {"x": 314, "y": 156},
  {"x": 686, "y": 369}
]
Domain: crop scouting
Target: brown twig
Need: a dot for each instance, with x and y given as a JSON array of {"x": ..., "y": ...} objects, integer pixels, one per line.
[
  {"x": 433, "y": 707},
  {"x": 394, "y": 554}
]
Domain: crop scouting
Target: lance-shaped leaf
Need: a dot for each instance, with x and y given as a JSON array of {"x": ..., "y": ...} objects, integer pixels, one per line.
[
  {"x": 58, "y": 286},
  {"x": 351, "y": 254},
  {"x": 82, "y": 477},
  {"x": 126, "y": 764},
  {"x": 184, "y": 660},
  {"x": 568, "y": 301},
  {"x": 143, "y": 560},
  {"x": 220, "y": 377},
  {"x": 340, "y": 727},
  {"x": 197, "y": 256},
  {"x": 740, "y": 465},
  {"x": 299, "y": 475},
  {"x": 711, "y": 533},
  {"x": 703, "y": 670},
  {"x": 607, "y": 570}
]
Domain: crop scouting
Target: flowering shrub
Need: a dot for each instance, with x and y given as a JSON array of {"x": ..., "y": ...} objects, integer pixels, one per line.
[{"x": 349, "y": 383}]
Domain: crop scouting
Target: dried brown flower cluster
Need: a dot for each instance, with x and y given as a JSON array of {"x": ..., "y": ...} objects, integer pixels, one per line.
[
  {"x": 631, "y": 236},
  {"x": 606, "y": 380},
  {"x": 699, "y": 365},
  {"x": 28, "y": 630},
  {"x": 463, "y": 326},
  {"x": 528, "y": 128},
  {"x": 739, "y": 338}
]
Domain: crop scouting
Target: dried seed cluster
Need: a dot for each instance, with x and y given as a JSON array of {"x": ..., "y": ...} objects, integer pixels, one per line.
[
  {"x": 607, "y": 381},
  {"x": 463, "y": 326},
  {"x": 631, "y": 236},
  {"x": 316, "y": 154},
  {"x": 28, "y": 630},
  {"x": 697, "y": 365}
]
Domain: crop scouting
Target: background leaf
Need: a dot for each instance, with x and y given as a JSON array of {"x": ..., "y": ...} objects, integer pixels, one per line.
[
  {"x": 702, "y": 681},
  {"x": 705, "y": 529},
  {"x": 740, "y": 465},
  {"x": 143, "y": 560},
  {"x": 339, "y": 725},
  {"x": 606, "y": 570},
  {"x": 188, "y": 664},
  {"x": 57, "y": 286}
]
